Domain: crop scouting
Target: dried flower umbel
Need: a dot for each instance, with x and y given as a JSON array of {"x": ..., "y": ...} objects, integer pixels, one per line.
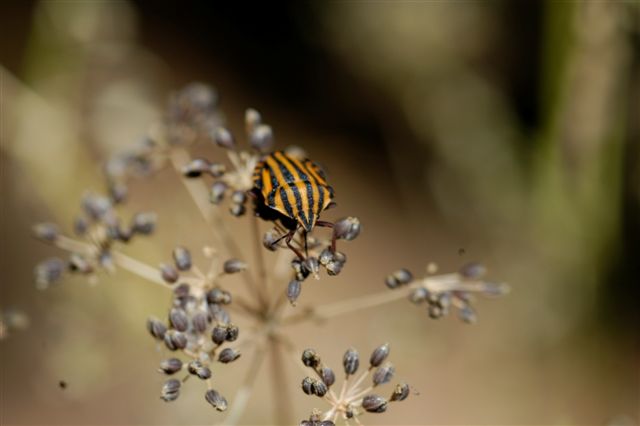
[
  {"x": 356, "y": 396},
  {"x": 196, "y": 331}
]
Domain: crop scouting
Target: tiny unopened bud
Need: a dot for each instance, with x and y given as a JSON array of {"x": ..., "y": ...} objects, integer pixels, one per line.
[
  {"x": 293, "y": 291},
  {"x": 46, "y": 231},
  {"x": 232, "y": 266},
  {"x": 228, "y": 355},
  {"x": 374, "y": 404},
  {"x": 224, "y": 138},
  {"x": 168, "y": 273},
  {"x": 328, "y": 376},
  {"x": 144, "y": 223},
  {"x": 216, "y": 400},
  {"x": 216, "y": 193},
  {"x": 261, "y": 138},
  {"x": 379, "y": 355},
  {"x": 400, "y": 393},
  {"x": 351, "y": 361},
  {"x": 178, "y": 319},
  {"x": 156, "y": 328},
  {"x": 170, "y": 390},
  {"x": 310, "y": 358},
  {"x": 195, "y": 168},
  {"x": 383, "y": 374},
  {"x": 182, "y": 258},
  {"x": 347, "y": 229},
  {"x": 170, "y": 366}
]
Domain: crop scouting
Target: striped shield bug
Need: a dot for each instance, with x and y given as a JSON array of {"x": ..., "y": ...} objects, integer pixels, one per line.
[{"x": 293, "y": 191}]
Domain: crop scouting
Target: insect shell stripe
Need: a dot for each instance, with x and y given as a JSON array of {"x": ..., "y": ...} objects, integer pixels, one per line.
[
  {"x": 292, "y": 165},
  {"x": 282, "y": 201},
  {"x": 276, "y": 176},
  {"x": 313, "y": 171}
]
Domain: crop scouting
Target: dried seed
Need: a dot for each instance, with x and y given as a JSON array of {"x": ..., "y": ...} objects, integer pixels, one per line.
[
  {"x": 216, "y": 193},
  {"x": 252, "y": 119},
  {"x": 232, "y": 332},
  {"x": 80, "y": 226},
  {"x": 170, "y": 366},
  {"x": 46, "y": 231},
  {"x": 175, "y": 340},
  {"x": 400, "y": 393},
  {"x": 403, "y": 276},
  {"x": 311, "y": 265},
  {"x": 301, "y": 271},
  {"x": 391, "y": 282},
  {"x": 178, "y": 319},
  {"x": 444, "y": 301},
  {"x": 326, "y": 256},
  {"x": 379, "y": 355},
  {"x": 334, "y": 268},
  {"x": 224, "y": 138},
  {"x": 293, "y": 291},
  {"x": 218, "y": 296},
  {"x": 328, "y": 376},
  {"x": 347, "y": 229},
  {"x": 218, "y": 314},
  {"x": 435, "y": 311},
  {"x": 170, "y": 390},
  {"x": 270, "y": 240},
  {"x": 200, "y": 322},
  {"x": 419, "y": 295},
  {"x": 216, "y": 169},
  {"x": 196, "y": 368},
  {"x": 169, "y": 273},
  {"x": 319, "y": 388},
  {"x": 144, "y": 223},
  {"x": 383, "y": 374},
  {"x": 181, "y": 291},
  {"x": 216, "y": 400},
  {"x": 78, "y": 263},
  {"x": 473, "y": 270},
  {"x": 228, "y": 355},
  {"x": 156, "y": 328},
  {"x": 232, "y": 266},
  {"x": 182, "y": 258},
  {"x": 310, "y": 358},
  {"x": 239, "y": 197},
  {"x": 307, "y": 385},
  {"x": 48, "y": 271},
  {"x": 261, "y": 138},
  {"x": 237, "y": 210},
  {"x": 219, "y": 334},
  {"x": 374, "y": 404},
  {"x": 468, "y": 315},
  {"x": 351, "y": 361}
]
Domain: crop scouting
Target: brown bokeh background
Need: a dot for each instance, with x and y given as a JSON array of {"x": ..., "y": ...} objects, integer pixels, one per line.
[{"x": 500, "y": 132}]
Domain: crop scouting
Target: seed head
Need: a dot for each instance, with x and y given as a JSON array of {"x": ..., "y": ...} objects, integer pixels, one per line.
[
  {"x": 374, "y": 404},
  {"x": 351, "y": 361},
  {"x": 379, "y": 355}
]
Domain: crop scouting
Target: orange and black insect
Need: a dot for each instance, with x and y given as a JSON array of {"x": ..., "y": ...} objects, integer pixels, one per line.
[{"x": 292, "y": 190}]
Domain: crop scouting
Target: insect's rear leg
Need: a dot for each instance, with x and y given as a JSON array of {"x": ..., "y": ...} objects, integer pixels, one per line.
[
  {"x": 333, "y": 234},
  {"x": 288, "y": 239}
]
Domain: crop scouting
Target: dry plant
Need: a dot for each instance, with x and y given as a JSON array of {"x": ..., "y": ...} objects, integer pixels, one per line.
[{"x": 198, "y": 331}]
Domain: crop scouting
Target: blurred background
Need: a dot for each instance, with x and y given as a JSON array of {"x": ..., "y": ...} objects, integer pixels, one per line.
[{"x": 500, "y": 132}]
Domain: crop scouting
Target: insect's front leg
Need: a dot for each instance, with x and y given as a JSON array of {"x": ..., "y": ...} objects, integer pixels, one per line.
[{"x": 333, "y": 234}]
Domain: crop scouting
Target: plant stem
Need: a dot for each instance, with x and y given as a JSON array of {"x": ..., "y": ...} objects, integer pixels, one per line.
[
  {"x": 262, "y": 280},
  {"x": 283, "y": 414}
]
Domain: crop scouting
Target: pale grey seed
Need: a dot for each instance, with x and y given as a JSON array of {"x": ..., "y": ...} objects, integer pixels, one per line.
[
  {"x": 216, "y": 400},
  {"x": 351, "y": 361},
  {"x": 46, "y": 231},
  {"x": 383, "y": 374},
  {"x": 217, "y": 191},
  {"x": 182, "y": 258},
  {"x": 170, "y": 366},
  {"x": 374, "y": 404},
  {"x": 261, "y": 138},
  {"x": 170, "y": 390},
  {"x": 232, "y": 266},
  {"x": 228, "y": 355},
  {"x": 156, "y": 328},
  {"x": 328, "y": 376},
  {"x": 379, "y": 355},
  {"x": 224, "y": 138},
  {"x": 178, "y": 319},
  {"x": 168, "y": 273},
  {"x": 347, "y": 229},
  {"x": 400, "y": 393},
  {"x": 293, "y": 291}
]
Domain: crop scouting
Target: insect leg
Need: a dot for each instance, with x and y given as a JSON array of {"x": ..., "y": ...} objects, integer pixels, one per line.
[{"x": 288, "y": 238}]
